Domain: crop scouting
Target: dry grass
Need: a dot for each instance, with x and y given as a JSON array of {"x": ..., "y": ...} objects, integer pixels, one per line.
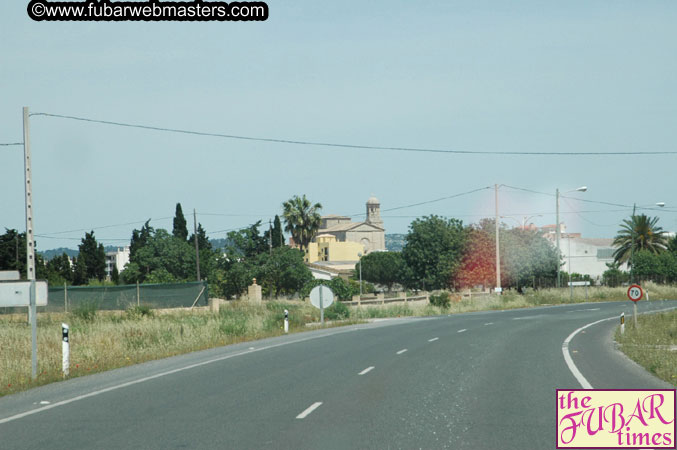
[
  {"x": 116, "y": 339},
  {"x": 651, "y": 342}
]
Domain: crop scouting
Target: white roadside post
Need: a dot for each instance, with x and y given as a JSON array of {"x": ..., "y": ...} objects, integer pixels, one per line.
[
  {"x": 623, "y": 323},
  {"x": 286, "y": 321},
  {"x": 65, "y": 348}
]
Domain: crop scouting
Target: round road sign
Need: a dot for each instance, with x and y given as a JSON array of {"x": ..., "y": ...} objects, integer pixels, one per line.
[
  {"x": 635, "y": 293},
  {"x": 325, "y": 292}
]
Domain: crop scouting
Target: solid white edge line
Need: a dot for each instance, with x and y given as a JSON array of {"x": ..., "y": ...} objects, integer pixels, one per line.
[
  {"x": 570, "y": 362},
  {"x": 367, "y": 370},
  {"x": 433, "y": 339},
  {"x": 402, "y": 351},
  {"x": 161, "y": 374},
  {"x": 308, "y": 410}
]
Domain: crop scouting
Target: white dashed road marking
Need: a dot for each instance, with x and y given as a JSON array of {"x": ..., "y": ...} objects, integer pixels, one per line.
[
  {"x": 461, "y": 331},
  {"x": 433, "y": 339},
  {"x": 310, "y": 409},
  {"x": 367, "y": 370},
  {"x": 402, "y": 351}
]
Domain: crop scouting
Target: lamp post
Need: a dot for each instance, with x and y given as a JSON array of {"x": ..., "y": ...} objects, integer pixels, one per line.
[
  {"x": 359, "y": 255},
  {"x": 557, "y": 230},
  {"x": 571, "y": 286},
  {"x": 632, "y": 249}
]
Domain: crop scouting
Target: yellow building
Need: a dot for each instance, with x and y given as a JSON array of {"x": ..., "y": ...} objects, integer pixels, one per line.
[{"x": 327, "y": 248}]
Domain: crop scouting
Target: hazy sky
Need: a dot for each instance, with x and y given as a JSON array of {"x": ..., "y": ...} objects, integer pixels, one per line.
[{"x": 487, "y": 76}]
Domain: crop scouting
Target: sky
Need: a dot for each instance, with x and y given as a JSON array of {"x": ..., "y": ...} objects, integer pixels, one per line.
[{"x": 484, "y": 76}]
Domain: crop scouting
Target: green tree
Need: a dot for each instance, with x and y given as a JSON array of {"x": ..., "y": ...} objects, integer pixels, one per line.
[
  {"x": 278, "y": 237},
  {"x": 672, "y": 245},
  {"x": 231, "y": 277},
  {"x": 80, "y": 272},
  {"x": 180, "y": 229},
  {"x": 115, "y": 275},
  {"x": 433, "y": 251},
  {"x": 139, "y": 240},
  {"x": 246, "y": 243},
  {"x": 13, "y": 254},
  {"x": 172, "y": 257},
  {"x": 613, "y": 276},
  {"x": 59, "y": 270},
  {"x": 13, "y": 251},
  {"x": 640, "y": 232},
  {"x": 302, "y": 219},
  {"x": 385, "y": 268},
  {"x": 202, "y": 240},
  {"x": 93, "y": 256},
  {"x": 281, "y": 272}
]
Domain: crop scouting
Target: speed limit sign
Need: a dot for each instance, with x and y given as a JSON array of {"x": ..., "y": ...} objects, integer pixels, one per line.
[{"x": 635, "y": 293}]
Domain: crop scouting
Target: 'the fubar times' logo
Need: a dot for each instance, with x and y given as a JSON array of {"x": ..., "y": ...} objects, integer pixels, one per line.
[{"x": 616, "y": 418}]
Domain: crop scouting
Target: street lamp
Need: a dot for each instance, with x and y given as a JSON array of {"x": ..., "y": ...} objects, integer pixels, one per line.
[
  {"x": 632, "y": 249},
  {"x": 359, "y": 255},
  {"x": 557, "y": 231}
]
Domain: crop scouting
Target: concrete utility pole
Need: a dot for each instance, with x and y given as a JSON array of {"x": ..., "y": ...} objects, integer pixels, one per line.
[
  {"x": 30, "y": 248},
  {"x": 270, "y": 236},
  {"x": 557, "y": 236},
  {"x": 498, "y": 257},
  {"x": 197, "y": 248}
]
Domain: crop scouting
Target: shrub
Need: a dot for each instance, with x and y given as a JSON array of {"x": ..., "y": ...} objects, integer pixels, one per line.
[
  {"x": 337, "y": 311},
  {"x": 85, "y": 311},
  {"x": 139, "y": 311},
  {"x": 443, "y": 300}
]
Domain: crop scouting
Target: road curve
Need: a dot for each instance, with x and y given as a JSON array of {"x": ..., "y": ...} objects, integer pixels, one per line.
[{"x": 481, "y": 380}]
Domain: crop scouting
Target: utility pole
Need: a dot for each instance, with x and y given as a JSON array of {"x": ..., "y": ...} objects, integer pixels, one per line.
[
  {"x": 197, "y": 248},
  {"x": 498, "y": 257},
  {"x": 557, "y": 235},
  {"x": 30, "y": 248},
  {"x": 632, "y": 250},
  {"x": 270, "y": 236}
]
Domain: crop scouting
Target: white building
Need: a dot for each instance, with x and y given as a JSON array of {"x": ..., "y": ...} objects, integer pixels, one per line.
[
  {"x": 118, "y": 259},
  {"x": 582, "y": 255}
]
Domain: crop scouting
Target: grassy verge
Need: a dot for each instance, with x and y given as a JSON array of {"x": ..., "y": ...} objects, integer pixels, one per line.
[
  {"x": 595, "y": 294},
  {"x": 650, "y": 344},
  {"x": 102, "y": 341}
]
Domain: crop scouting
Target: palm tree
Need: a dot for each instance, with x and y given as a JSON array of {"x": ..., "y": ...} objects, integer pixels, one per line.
[
  {"x": 640, "y": 232},
  {"x": 302, "y": 219}
]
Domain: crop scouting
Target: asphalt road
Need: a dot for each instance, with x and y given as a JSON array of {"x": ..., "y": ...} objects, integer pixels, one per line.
[{"x": 478, "y": 381}]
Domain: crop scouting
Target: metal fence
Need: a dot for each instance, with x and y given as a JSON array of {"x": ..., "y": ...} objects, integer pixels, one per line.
[{"x": 174, "y": 295}]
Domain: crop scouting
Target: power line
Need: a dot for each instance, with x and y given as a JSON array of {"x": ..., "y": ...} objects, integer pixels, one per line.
[
  {"x": 348, "y": 146},
  {"x": 102, "y": 227},
  {"x": 10, "y": 143},
  {"x": 429, "y": 201}
]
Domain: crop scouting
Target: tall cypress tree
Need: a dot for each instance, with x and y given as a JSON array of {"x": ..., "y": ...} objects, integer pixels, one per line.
[
  {"x": 93, "y": 257},
  {"x": 180, "y": 229},
  {"x": 278, "y": 238}
]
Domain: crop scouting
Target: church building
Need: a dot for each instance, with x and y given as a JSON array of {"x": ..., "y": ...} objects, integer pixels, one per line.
[{"x": 370, "y": 234}]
